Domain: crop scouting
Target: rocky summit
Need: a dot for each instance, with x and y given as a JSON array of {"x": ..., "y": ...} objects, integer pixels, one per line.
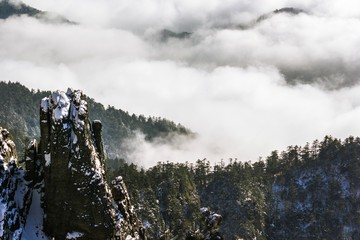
[{"x": 63, "y": 194}]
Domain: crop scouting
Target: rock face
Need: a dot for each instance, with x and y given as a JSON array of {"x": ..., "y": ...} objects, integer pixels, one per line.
[
  {"x": 122, "y": 201},
  {"x": 212, "y": 221},
  {"x": 77, "y": 197},
  {"x": 64, "y": 192},
  {"x": 14, "y": 195},
  {"x": 7, "y": 149}
]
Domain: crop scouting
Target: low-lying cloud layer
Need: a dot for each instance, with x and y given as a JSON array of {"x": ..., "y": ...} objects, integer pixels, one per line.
[{"x": 287, "y": 80}]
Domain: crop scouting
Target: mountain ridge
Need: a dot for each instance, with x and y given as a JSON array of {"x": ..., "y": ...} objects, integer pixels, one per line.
[
  {"x": 9, "y": 9},
  {"x": 20, "y": 117}
]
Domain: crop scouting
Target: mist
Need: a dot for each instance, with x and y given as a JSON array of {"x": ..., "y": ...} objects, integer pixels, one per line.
[{"x": 287, "y": 80}]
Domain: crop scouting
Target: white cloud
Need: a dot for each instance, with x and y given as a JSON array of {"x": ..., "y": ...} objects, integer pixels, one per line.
[
  {"x": 306, "y": 47},
  {"x": 228, "y": 85},
  {"x": 184, "y": 15}
]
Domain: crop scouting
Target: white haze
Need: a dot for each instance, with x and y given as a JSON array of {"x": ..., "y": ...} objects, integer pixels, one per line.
[{"x": 287, "y": 80}]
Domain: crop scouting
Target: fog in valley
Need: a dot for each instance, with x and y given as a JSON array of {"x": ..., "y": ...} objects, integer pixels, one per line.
[{"x": 247, "y": 80}]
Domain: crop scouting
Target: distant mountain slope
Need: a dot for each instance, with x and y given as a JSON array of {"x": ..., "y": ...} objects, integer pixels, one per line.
[
  {"x": 309, "y": 192},
  {"x": 9, "y": 9},
  {"x": 167, "y": 34},
  {"x": 19, "y": 113},
  {"x": 286, "y": 10}
]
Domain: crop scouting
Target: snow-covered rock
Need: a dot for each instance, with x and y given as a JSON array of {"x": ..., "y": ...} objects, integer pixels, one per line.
[
  {"x": 63, "y": 194},
  {"x": 15, "y": 195},
  {"x": 77, "y": 199},
  {"x": 212, "y": 222}
]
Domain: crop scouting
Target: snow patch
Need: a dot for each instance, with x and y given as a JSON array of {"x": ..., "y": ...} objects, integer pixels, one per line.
[
  {"x": 20, "y": 192},
  {"x": 2, "y": 212},
  {"x": 204, "y": 210},
  {"x": 47, "y": 159},
  {"x": 75, "y": 139},
  {"x": 45, "y": 104},
  {"x": 17, "y": 234},
  {"x": 82, "y": 107},
  {"x": 61, "y": 104},
  {"x": 78, "y": 109},
  {"x": 147, "y": 225},
  {"x": 34, "y": 224},
  {"x": 32, "y": 143},
  {"x": 74, "y": 235}
]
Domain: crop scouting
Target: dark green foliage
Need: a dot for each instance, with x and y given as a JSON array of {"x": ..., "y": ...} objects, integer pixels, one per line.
[
  {"x": 308, "y": 192},
  {"x": 8, "y": 9},
  {"x": 167, "y": 34},
  {"x": 114, "y": 163},
  {"x": 165, "y": 197},
  {"x": 20, "y": 113},
  {"x": 313, "y": 198},
  {"x": 119, "y": 125},
  {"x": 20, "y": 107}
]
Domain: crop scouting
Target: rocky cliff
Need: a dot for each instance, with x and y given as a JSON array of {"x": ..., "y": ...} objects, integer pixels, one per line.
[
  {"x": 63, "y": 194},
  {"x": 11, "y": 210}
]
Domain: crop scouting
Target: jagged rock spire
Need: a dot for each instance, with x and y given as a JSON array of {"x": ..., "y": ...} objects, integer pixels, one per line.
[
  {"x": 77, "y": 197},
  {"x": 63, "y": 194}
]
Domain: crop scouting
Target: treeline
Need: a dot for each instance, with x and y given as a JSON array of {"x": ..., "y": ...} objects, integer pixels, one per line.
[{"x": 308, "y": 192}]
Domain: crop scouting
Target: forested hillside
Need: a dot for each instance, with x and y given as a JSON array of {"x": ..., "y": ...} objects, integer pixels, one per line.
[
  {"x": 20, "y": 114},
  {"x": 8, "y": 9},
  {"x": 308, "y": 192}
]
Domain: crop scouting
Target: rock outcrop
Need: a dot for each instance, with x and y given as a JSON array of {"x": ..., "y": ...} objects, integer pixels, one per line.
[
  {"x": 212, "y": 222},
  {"x": 14, "y": 194},
  {"x": 122, "y": 201},
  {"x": 7, "y": 149},
  {"x": 77, "y": 197},
  {"x": 64, "y": 194}
]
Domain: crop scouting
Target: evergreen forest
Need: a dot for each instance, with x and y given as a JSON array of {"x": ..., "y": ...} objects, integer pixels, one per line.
[
  {"x": 302, "y": 192},
  {"x": 20, "y": 115},
  {"x": 308, "y": 192}
]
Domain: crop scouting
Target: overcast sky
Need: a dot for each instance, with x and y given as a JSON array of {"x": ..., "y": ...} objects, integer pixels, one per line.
[{"x": 287, "y": 80}]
